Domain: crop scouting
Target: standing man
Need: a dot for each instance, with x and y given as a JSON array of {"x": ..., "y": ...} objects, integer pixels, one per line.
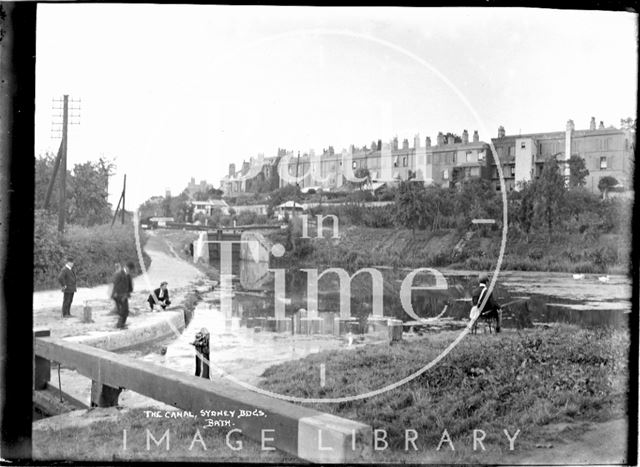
[
  {"x": 491, "y": 309},
  {"x": 67, "y": 280},
  {"x": 122, "y": 288}
]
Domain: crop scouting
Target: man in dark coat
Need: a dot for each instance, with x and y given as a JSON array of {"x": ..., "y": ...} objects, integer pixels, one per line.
[
  {"x": 122, "y": 288},
  {"x": 67, "y": 280},
  {"x": 491, "y": 309},
  {"x": 159, "y": 297}
]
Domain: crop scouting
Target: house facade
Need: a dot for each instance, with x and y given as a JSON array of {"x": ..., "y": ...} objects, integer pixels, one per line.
[{"x": 606, "y": 152}]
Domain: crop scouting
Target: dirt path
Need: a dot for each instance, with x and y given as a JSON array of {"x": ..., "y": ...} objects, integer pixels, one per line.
[
  {"x": 601, "y": 443},
  {"x": 164, "y": 267}
]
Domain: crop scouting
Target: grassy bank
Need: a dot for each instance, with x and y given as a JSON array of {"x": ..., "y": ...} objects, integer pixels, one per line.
[
  {"x": 94, "y": 249},
  {"x": 511, "y": 381},
  {"x": 102, "y": 440},
  {"x": 360, "y": 247}
]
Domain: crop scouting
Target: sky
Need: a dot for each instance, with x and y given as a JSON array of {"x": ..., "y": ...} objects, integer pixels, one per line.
[{"x": 171, "y": 92}]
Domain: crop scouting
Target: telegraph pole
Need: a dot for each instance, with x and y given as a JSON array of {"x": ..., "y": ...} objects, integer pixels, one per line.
[
  {"x": 63, "y": 174},
  {"x": 60, "y": 164},
  {"x": 124, "y": 192}
]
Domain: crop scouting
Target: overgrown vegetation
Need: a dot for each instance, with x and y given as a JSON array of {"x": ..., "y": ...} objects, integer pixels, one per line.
[
  {"x": 95, "y": 250},
  {"x": 512, "y": 381}
]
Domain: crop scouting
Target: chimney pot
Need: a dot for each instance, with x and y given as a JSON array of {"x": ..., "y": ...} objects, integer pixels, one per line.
[
  {"x": 427, "y": 142},
  {"x": 476, "y": 136},
  {"x": 570, "y": 125},
  {"x": 601, "y": 127},
  {"x": 501, "y": 132},
  {"x": 440, "y": 139},
  {"x": 465, "y": 137},
  {"x": 592, "y": 124}
]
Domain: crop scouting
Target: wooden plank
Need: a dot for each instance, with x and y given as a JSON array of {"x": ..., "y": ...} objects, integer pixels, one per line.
[{"x": 188, "y": 392}]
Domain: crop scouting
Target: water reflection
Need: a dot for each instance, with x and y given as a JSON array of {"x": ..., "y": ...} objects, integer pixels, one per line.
[{"x": 520, "y": 311}]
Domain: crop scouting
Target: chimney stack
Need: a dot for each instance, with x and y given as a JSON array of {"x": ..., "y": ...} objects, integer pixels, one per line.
[
  {"x": 405, "y": 143},
  {"x": 232, "y": 170},
  {"x": 500, "y": 131},
  {"x": 427, "y": 142},
  {"x": 476, "y": 136},
  {"x": 394, "y": 144},
  {"x": 601, "y": 127},
  {"x": 570, "y": 125},
  {"x": 379, "y": 145},
  {"x": 440, "y": 138},
  {"x": 592, "y": 124},
  {"x": 416, "y": 142},
  {"x": 465, "y": 137},
  {"x": 450, "y": 139}
]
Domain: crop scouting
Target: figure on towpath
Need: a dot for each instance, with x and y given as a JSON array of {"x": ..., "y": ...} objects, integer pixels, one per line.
[{"x": 491, "y": 310}]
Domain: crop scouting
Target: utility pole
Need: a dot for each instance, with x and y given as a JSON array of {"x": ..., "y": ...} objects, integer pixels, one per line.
[
  {"x": 60, "y": 164},
  {"x": 124, "y": 191},
  {"x": 121, "y": 200},
  {"x": 62, "y": 205}
]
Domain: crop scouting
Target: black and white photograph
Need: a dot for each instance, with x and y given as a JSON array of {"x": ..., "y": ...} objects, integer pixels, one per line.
[{"x": 288, "y": 235}]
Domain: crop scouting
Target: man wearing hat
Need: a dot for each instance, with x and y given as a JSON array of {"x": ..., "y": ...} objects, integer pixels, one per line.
[
  {"x": 491, "y": 309},
  {"x": 159, "y": 297},
  {"x": 67, "y": 280}
]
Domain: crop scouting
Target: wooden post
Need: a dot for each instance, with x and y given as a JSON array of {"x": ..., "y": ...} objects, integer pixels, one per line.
[
  {"x": 42, "y": 366},
  {"x": 103, "y": 395}
]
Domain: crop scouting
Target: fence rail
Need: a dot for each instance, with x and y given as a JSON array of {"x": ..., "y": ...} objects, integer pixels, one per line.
[{"x": 298, "y": 430}]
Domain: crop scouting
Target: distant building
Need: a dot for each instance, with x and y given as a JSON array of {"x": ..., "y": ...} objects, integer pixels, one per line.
[
  {"x": 260, "y": 174},
  {"x": 606, "y": 152},
  {"x": 208, "y": 207},
  {"x": 201, "y": 187}
]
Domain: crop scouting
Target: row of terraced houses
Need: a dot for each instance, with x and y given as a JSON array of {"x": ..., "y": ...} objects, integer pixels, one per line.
[{"x": 606, "y": 151}]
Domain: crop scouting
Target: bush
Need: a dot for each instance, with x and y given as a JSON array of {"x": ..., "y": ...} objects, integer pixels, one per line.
[{"x": 94, "y": 249}]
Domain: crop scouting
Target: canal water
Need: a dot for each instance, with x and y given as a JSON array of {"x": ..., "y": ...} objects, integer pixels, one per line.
[{"x": 242, "y": 350}]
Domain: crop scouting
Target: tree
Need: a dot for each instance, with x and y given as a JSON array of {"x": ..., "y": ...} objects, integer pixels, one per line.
[
  {"x": 410, "y": 205},
  {"x": 550, "y": 191},
  {"x": 524, "y": 213},
  {"x": 86, "y": 190},
  {"x": 88, "y": 203},
  {"x": 577, "y": 171},
  {"x": 628, "y": 124},
  {"x": 605, "y": 184}
]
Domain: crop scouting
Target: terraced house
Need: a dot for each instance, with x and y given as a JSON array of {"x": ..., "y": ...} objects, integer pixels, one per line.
[{"x": 606, "y": 152}]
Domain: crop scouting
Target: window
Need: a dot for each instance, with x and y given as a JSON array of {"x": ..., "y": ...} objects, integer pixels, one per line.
[
  {"x": 497, "y": 186},
  {"x": 512, "y": 150},
  {"x": 603, "y": 163},
  {"x": 469, "y": 156},
  {"x": 455, "y": 158},
  {"x": 354, "y": 164},
  {"x": 474, "y": 171},
  {"x": 523, "y": 145},
  {"x": 481, "y": 156},
  {"x": 404, "y": 161},
  {"x": 445, "y": 174}
]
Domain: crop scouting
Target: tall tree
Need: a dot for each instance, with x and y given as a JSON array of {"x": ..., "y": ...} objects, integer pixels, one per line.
[
  {"x": 411, "y": 205},
  {"x": 550, "y": 192},
  {"x": 88, "y": 203},
  {"x": 577, "y": 171}
]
